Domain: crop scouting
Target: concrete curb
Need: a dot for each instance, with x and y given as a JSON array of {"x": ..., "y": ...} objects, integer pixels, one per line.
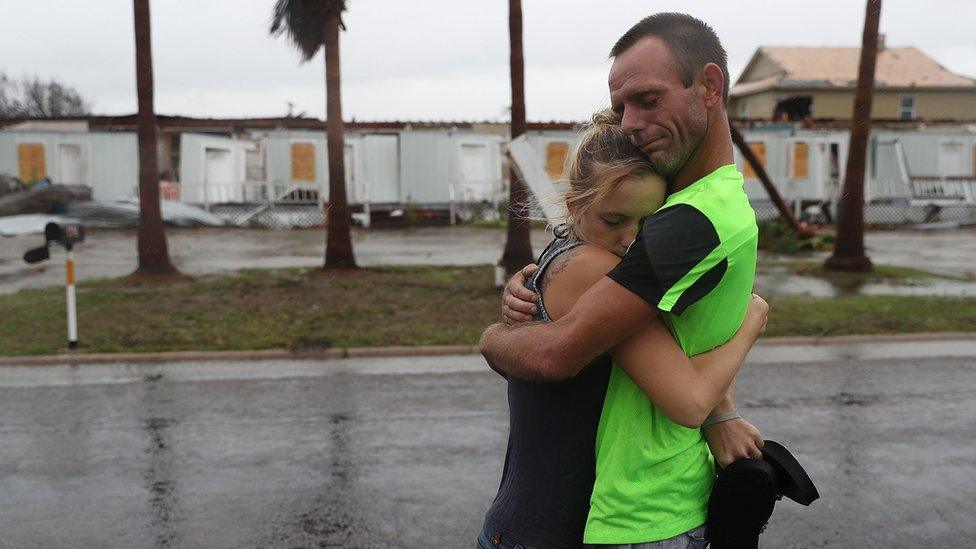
[
  {"x": 402, "y": 351},
  {"x": 267, "y": 354}
]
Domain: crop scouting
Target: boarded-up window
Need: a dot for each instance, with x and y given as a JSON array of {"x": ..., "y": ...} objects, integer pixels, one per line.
[
  {"x": 556, "y": 158},
  {"x": 302, "y": 162},
  {"x": 759, "y": 149},
  {"x": 30, "y": 156},
  {"x": 800, "y": 160}
]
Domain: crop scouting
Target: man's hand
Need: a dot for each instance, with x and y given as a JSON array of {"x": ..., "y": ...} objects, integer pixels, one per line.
[
  {"x": 733, "y": 440},
  {"x": 518, "y": 302}
]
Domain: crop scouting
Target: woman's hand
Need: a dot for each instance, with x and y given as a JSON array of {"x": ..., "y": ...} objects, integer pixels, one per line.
[
  {"x": 755, "y": 322},
  {"x": 518, "y": 302},
  {"x": 733, "y": 440}
]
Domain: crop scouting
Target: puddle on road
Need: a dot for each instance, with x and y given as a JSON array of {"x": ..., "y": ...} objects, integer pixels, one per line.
[{"x": 781, "y": 281}]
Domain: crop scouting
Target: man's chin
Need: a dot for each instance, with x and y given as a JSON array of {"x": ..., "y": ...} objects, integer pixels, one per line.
[{"x": 663, "y": 163}]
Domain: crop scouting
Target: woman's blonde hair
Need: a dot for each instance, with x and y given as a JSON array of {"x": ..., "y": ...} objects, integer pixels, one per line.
[{"x": 603, "y": 158}]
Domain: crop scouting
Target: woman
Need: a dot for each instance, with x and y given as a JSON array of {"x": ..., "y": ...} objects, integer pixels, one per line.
[{"x": 548, "y": 474}]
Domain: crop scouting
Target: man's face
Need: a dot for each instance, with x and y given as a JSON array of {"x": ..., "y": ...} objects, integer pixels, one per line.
[{"x": 663, "y": 118}]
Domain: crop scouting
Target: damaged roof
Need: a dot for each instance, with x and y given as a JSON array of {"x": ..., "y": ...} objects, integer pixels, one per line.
[
  {"x": 836, "y": 67},
  {"x": 168, "y": 123}
]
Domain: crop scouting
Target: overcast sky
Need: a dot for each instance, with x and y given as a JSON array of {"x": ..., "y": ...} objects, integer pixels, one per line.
[{"x": 418, "y": 60}]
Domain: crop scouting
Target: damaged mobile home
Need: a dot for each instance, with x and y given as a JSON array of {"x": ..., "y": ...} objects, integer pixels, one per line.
[{"x": 249, "y": 169}]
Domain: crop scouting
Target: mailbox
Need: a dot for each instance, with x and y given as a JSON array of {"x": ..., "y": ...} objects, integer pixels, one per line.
[{"x": 65, "y": 234}]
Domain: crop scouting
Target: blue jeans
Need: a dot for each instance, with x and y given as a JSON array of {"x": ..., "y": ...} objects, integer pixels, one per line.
[
  {"x": 490, "y": 538},
  {"x": 692, "y": 539}
]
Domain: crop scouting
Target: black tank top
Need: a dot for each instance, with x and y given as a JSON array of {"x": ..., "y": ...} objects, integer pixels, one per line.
[{"x": 549, "y": 469}]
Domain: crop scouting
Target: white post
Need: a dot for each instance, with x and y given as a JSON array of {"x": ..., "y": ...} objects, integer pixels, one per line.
[
  {"x": 452, "y": 197},
  {"x": 367, "y": 212},
  {"x": 70, "y": 294}
]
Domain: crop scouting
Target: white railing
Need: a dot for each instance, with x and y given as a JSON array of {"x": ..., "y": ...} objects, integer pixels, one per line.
[
  {"x": 960, "y": 188},
  {"x": 254, "y": 192}
]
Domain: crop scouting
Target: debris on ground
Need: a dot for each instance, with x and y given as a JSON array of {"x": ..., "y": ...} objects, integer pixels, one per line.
[
  {"x": 15, "y": 225},
  {"x": 41, "y": 198},
  {"x": 125, "y": 214}
]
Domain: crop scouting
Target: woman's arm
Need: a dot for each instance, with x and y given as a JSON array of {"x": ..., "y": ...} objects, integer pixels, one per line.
[{"x": 687, "y": 390}]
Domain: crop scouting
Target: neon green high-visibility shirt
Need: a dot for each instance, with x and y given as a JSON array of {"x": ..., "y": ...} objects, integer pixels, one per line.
[{"x": 695, "y": 260}]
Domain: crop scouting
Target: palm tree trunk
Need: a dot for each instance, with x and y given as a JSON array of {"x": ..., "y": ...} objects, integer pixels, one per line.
[
  {"x": 518, "y": 247},
  {"x": 153, "y": 252},
  {"x": 338, "y": 241},
  {"x": 849, "y": 251},
  {"x": 757, "y": 167}
]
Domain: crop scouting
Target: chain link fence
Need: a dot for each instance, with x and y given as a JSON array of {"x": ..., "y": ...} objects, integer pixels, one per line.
[{"x": 879, "y": 214}]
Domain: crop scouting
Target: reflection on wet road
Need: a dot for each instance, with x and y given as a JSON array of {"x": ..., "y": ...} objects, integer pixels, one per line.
[
  {"x": 407, "y": 452},
  {"x": 111, "y": 253}
]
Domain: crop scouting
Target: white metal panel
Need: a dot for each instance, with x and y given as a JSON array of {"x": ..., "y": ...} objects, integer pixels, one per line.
[
  {"x": 474, "y": 175},
  {"x": 952, "y": 159},
  {"x": 382, "y": 174},
  {"x": 426, "y": 163},
  {"x": 73, "y": 164},
  {"x": 114, "y": 165},
  {"x": 532, "y": 172},
  {"x": 354, "y": 190}
]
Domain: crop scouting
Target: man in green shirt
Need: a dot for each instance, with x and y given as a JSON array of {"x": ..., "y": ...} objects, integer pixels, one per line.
[{"x": 693, "y": 263}]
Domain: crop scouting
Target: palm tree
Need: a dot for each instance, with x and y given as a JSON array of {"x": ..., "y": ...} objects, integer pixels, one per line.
[
  {"x": 518, "y": 247},
  {"x": 849, "y": 251},
  {"x": 309, "y": 25},
  {"x": 153, "y": 251}
]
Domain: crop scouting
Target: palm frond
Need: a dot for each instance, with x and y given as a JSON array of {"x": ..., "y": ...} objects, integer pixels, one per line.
[{"x": 303, "y": 21}]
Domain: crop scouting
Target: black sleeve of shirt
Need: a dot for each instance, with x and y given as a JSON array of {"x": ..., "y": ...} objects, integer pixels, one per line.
[{"x": 670, "y": 244}]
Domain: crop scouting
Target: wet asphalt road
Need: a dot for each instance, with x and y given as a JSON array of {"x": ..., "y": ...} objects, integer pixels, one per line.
[
  {"x": 112, "y": 253},
  {"x": 407, "y": 452}
]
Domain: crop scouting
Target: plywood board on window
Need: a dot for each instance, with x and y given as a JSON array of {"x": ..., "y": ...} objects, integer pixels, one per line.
[
  {"x": 303, "y": 162},
  {"x": 801, "y": 153},
  {"x": 30, "y": 157},
  {"x": 758, "y": 149},
  {"x": 556, "y": 152}
]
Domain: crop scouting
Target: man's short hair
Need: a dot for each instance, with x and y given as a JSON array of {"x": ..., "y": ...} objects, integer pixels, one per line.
[{"x": 692, "y": 43}]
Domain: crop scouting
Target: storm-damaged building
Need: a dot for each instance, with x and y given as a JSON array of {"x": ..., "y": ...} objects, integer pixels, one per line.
[{"x": 802, "y": 82}]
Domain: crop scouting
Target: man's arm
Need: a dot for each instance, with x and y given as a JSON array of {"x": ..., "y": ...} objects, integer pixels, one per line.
[
  {"x": 604, "y": 316},
  {"x": 518, "y": 302}
]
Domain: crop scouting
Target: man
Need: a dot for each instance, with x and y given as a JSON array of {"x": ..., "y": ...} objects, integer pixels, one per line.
[{"x": 693, "y": 263}]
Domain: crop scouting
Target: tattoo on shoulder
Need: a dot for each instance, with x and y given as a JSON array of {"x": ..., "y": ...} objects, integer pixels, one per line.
[{"x": 558, "y": 264}]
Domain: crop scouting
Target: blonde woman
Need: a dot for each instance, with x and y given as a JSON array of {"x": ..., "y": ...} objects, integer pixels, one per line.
[{"x": 549, "y": 469}]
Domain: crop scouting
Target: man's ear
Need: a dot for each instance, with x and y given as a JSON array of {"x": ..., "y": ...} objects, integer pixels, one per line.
[{"x": 713, "y": 84}]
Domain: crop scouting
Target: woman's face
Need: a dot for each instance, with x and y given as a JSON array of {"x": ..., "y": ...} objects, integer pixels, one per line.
[{"x": 612, "y": 223}]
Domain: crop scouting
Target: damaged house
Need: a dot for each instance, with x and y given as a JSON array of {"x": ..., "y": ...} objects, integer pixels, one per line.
[{"x": 795, "y": 83}]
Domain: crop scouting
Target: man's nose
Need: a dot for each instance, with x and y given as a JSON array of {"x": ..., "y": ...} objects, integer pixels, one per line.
[{"x": 630, "y": 124}]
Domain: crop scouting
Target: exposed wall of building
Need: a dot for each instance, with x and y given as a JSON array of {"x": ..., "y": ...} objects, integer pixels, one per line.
[
  {"x": 107, "y": 162},
  {"x": 212, "y": 169},
  {"x": 929, "y": 104}
]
